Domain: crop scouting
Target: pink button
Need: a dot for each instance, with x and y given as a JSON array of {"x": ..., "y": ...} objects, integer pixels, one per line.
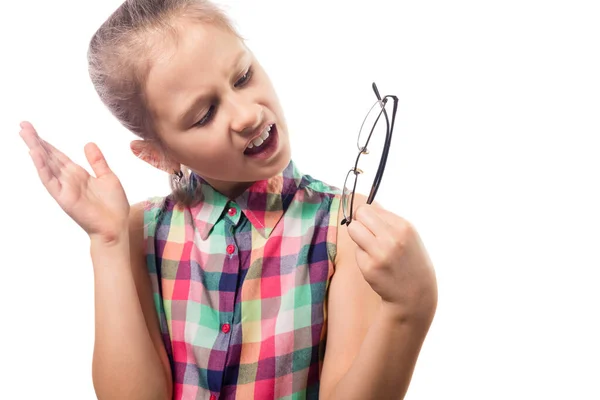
[
  {"x": 213, "y": 397},
  {"x": 232, "y": 211},
  {"x": 226, "y": 328},
  {"x": 230, "y": 249}
]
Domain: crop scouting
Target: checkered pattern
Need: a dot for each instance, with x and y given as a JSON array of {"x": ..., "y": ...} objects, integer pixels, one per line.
[{"x": 240, "y": 287}]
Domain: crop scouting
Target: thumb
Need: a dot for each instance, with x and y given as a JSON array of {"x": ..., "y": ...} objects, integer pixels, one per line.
[{"x": 96, "y": 160}]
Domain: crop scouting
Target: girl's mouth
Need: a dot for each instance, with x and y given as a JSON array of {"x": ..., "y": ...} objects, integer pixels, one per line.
[{"x": 265, "y": 145}]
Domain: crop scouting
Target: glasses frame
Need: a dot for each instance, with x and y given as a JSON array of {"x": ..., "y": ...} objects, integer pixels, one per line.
[{"x": 364, "y": 150}]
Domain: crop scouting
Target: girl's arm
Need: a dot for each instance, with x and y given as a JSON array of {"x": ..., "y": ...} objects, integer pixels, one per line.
[
  {"x": 371, "y": 348},
  {"x": 129, "y": 360}
]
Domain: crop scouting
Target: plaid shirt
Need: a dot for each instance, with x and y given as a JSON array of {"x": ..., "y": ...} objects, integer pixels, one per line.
[{"x": 240, "y": 287}]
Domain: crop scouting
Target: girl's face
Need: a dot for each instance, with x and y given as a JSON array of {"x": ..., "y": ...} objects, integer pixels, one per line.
[{"x": 212, "y": 102}]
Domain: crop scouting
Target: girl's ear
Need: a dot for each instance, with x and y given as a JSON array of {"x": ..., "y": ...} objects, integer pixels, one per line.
[{"x": 149, "y": 152}]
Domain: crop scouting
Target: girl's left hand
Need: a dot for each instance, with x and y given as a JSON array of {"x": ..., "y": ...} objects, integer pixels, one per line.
[{"x": 393, "y": 260}]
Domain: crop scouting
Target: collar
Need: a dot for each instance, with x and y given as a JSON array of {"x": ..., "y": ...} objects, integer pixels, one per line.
[{"x": 263, "y": 203}]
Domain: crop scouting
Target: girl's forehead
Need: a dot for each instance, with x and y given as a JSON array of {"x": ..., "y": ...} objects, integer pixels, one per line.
[
  {"x": 199, "y": 46},
  {"x": 200, "y": 57}
]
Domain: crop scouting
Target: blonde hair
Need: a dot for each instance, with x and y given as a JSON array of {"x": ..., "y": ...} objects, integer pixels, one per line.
[{"x": 119, "y": 57}]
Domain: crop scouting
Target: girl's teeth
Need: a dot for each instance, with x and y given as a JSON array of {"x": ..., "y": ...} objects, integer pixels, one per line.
[{"x": 261, "y": 139}]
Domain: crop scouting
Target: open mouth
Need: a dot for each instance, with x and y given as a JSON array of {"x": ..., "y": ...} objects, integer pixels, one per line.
[{"x": 264, "y": 145}]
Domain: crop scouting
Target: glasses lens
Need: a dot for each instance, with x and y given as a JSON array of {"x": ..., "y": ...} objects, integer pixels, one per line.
[
  {"x": 372, "y": 126},
  {"x": 372, "y": 140},
  {"x": 347, "y": 194}
]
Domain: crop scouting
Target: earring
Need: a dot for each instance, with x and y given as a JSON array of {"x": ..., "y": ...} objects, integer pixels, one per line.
[{"x": 178, "y": 175}]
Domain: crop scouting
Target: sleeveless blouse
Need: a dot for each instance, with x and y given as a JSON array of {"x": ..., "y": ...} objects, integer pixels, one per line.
[{"x": 240, "y": 286}]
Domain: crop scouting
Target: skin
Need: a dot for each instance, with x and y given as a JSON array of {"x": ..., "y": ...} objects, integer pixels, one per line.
[{"x": 383, "y": 295}]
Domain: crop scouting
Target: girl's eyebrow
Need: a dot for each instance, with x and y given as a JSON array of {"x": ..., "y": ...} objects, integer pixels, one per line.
[{"x": 200, "y": 99}]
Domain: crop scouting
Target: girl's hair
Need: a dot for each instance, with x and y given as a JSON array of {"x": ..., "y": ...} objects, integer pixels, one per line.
[{"x": 119, "y": 60}]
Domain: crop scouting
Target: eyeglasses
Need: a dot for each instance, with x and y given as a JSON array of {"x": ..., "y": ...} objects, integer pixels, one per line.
[{"x": 373, "y": 128}]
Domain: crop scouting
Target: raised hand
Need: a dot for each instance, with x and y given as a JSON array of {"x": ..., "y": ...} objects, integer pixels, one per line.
[{"x": 98, "y": 204}]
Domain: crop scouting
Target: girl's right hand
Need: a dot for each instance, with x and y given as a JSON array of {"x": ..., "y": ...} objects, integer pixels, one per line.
[{"x": 98, "y": 204}]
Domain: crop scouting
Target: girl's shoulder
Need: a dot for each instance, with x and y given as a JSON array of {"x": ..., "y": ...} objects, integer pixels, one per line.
[
  {"x": 313, "y": 184},
  {"x": 322, "y": 186},
  {"x": 156, "y": 209}
]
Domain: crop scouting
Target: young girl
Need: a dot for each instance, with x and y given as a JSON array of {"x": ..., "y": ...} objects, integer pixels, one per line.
[{"x": 242, "y": 283}]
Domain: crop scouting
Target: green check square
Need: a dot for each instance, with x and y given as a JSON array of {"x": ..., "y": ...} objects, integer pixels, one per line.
[
  {"x": 247, "y": 373},
  {"x": 301, "y": 395},
  {"x": 205, "y": 337},
  {"x": 211, "y": 280},
  {"x": 302, "y": 359},
  {"x": 302, "y": 296},
  {"x": 202, "y": 314},
  {"x": 302, "y": 317},
  {"x": 251, "y": 310}
]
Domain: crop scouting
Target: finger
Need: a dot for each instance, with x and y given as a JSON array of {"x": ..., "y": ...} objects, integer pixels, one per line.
[
  {"x": 396, "y": 224},
  {"x": 373, "y": 220},
  {"x": 96, "y": 160},
  {"x": 59, "y": 155},
  {"x": 49, "y": 180},
  {"x": 363, "y": 260},
  {"x": 362, "y": 236},
  {"x": 33, "y": 141},
  {"x": 388, "y": 216},
  {"x": 29, "y": 135}
]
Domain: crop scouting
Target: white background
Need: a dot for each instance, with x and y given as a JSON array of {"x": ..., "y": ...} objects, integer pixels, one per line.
[{"x": 494, "y": 159}]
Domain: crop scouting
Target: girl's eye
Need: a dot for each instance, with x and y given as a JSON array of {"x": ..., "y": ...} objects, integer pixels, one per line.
[
  {"x": 207, "y": 117},
  {"x": 244, "y": 79},
  {"x": 211, "y": 111}
]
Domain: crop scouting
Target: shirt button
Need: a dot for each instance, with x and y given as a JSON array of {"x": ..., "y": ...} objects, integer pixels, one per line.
[
  {"x": 213, "y": 397},
  {"x": 226, "y": 328},
  {"x": 232, "y": 211},
  {"x": 230, "y": 249}
]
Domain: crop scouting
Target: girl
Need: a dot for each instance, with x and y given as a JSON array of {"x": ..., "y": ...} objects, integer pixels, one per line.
[{"x": 241, "y": 284}]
